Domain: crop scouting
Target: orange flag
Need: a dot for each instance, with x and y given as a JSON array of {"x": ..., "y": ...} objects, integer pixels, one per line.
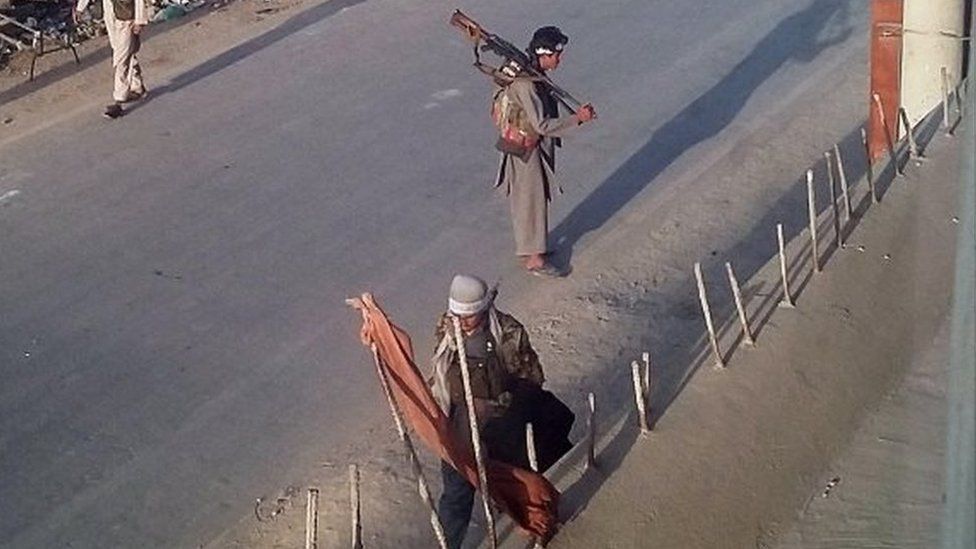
[{"x": 524, "y": 495}]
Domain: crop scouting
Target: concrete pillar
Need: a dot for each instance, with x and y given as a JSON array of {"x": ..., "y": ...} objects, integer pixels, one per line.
[{"x": 930, "y": 41}]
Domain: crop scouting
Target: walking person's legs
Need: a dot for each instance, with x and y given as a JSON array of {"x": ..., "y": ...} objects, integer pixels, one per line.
[
  {"x": 121, "y": 39},
  {"x": 124, "y": 59},
  {"x": 137, "y": 88},
  {"x": 455, "y": 505},
  {"x": 529, "y": 209},
  {"x": 125, "y": 41},
  {"x": 530, "y": 224}
]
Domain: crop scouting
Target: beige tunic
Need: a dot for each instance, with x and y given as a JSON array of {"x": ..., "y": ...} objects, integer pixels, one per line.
[
  {"x": 529, "y": 184},
  {"x": 125, "y": 45}
]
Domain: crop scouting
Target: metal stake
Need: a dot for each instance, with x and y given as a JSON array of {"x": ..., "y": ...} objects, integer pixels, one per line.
[
  {"x": 707, "y": 313},
  {"x": 591, "y": 432},
  {"x": 312, "y": 519},
  {"x": 475, "y": 433},
  {"x": 354, "y": 507},
  {"x": 870, "y": 172},
  {"x": 812, "y": 211},
  {"x": 533, "y": 462},
  {"x": 887, "y": 132},
  {"x": 848, "y": 212},
  {"x": 838, "y": 238},
  {"x": 422, "y": 488},
  {"x": 912, "y": 144},
  {"x": 787, "y": 297},
  {"x": 945, "y": 101},
  {"x": 746, "y": 331},
  {"x": 530, "y": 447},
  {"x": 646, "y": 358},
  {"x": 639, "y": 398}
]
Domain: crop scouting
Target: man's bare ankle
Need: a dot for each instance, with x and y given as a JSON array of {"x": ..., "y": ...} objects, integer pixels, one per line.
[{"x": 534, "y": 261}]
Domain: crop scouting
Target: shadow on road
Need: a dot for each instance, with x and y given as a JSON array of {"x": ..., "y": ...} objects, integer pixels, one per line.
[
  {"x": 291, "y": 26},
  {"x": 796, "y": 38},
  {"x": 684, "y": 345},
  {"x": 47, "y": 78}
]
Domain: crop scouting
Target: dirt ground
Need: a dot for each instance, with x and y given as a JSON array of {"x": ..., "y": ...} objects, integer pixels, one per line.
[
  {"x": 62, "y": 89},
  {"x": 741, "y": 452},
  {"x": 886, "y": 489},
  {"x": 736, "y": 454}
]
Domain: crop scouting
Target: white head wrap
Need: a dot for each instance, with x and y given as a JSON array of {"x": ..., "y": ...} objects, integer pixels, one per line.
[
  {"x": 542, "y": 50},
  {"x": 468, "y": 296}
]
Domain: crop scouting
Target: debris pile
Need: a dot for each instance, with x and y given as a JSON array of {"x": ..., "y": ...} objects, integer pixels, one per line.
[
  {"x": 24, "y": 22},
  {"x": 171, "y": 9}
]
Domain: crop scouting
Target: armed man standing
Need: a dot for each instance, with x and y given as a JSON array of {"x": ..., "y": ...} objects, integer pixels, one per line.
[
  {"x": 124, "y": 21},
  {"x": 531, "y": 126},
  {"x": 506, "y": 385}
]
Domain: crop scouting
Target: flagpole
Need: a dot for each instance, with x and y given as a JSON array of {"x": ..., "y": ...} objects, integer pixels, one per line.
[
  {"x": 422, "y": 487},
  {"x": 473, "y": 425}
]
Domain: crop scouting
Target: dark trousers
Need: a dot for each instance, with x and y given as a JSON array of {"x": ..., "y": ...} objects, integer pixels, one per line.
[
  {"x": 503, "y": 439},
  {"x": 455, "y": 505}
]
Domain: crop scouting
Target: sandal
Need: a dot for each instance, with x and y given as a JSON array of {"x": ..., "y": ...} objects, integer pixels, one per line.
[
  {"x": 138, "y": 95},
  {"x": 548, "y": 270}
]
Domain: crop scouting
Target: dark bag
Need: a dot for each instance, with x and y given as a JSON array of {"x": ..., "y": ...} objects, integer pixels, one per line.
[
  {"x": 551, "y": 423},
  {"x": 125, "y": 10}
]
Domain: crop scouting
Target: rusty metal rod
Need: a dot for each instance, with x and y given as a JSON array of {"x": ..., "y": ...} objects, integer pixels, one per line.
[
  {"x": 737, "y": 294},
  {"x": 787, "y": 297},
  {"x": 707, "y": 313},
  {"x": 812, "y": 212}
]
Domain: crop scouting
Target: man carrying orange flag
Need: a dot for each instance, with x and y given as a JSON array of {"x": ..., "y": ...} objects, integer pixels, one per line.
[
  {"x": 524, "y": 495},
  {"x": 506, "y": 386}
]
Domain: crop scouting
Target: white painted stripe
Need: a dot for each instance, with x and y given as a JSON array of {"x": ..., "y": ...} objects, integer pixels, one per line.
[{"x": 8, "y": 195}]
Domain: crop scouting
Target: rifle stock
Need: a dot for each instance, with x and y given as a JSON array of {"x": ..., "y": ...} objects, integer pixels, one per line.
[
  {"x": 471, "y": 28},
  {"x": 505, "y": 49}
]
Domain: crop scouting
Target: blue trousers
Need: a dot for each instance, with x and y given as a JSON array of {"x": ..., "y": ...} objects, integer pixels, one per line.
[{"x": 455, "y": 505}]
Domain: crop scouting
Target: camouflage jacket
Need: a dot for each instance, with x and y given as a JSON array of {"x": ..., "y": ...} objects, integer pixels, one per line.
[{"x": 515, "y": 351}]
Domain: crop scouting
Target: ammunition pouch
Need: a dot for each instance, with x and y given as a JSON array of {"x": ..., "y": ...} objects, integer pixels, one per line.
[
  {"x": 515, "y": 135},
  {"x": 517, "y": 146}
]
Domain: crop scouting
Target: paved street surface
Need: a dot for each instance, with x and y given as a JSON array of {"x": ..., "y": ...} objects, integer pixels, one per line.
[{"x": 173, "y": 340}]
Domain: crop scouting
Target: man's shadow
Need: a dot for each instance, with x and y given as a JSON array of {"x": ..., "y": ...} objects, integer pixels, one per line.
[
  {"x": 293, "y": 25},
  {"x": 796, "y": 38}
]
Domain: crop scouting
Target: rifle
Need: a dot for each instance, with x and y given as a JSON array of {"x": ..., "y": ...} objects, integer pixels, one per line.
[{"x": 516, "y": 61}]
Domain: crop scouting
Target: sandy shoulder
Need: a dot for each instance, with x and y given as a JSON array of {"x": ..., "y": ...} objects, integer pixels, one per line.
[{"x": 737, "y": 453}]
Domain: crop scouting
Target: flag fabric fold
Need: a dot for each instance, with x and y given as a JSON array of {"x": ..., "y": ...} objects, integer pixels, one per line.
[{"x": 526, "y": 496}]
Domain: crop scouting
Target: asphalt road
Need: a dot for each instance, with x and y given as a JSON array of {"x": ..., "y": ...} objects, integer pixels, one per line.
[{"x": 173, "y": 340}]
